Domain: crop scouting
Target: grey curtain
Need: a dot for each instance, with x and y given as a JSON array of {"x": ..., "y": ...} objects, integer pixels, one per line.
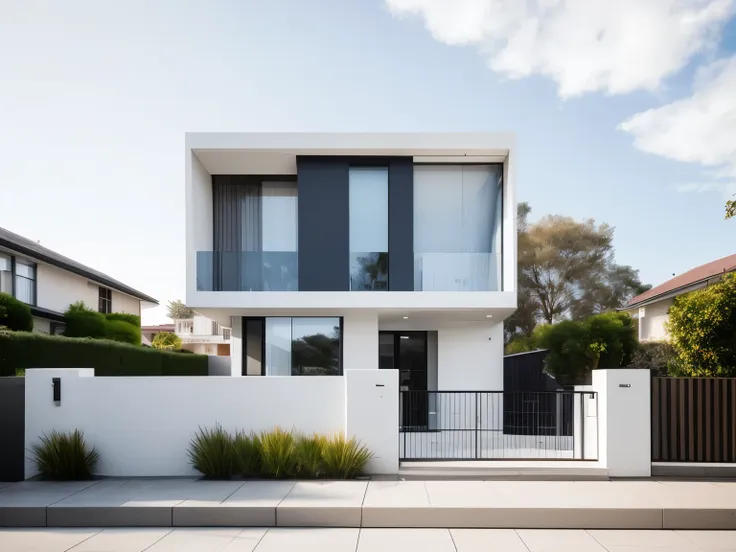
[{"x": 236, "y": 202}]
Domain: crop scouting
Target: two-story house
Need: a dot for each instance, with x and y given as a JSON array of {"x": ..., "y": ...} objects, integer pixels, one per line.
[
  {"x": 203, "y": 336},
  {"x": 331, "y": 252},
  {"x": 49, "y": 283}
]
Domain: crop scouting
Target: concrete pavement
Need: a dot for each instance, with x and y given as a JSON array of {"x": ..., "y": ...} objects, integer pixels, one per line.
[
  {"x": 642, "y": 504},
  {"x": 361, "y": 540}
]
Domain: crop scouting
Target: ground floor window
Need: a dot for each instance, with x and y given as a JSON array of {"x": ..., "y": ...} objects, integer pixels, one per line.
[{"x": 292, "y": 346}]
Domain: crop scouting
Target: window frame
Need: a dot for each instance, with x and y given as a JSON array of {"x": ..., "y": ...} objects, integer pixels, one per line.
[
  {"x": 105, "y": 300},
  {"x": 14, "y": 262}
]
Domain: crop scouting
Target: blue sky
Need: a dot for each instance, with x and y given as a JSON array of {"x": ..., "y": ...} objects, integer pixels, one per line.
[{"x": 96, "y": 98}]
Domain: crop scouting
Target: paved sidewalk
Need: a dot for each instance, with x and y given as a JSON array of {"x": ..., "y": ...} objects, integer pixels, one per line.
[
  {"x": 646, "y": 504},
  {"x": 362, "y": 540}
]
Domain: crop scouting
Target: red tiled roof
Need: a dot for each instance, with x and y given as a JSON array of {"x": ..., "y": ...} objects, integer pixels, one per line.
[
  {"x": 159, "y": 328},
  {"x": 698, "y": 274}
]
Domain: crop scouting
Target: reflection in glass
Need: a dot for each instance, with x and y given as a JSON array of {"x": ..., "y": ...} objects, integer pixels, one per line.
[
  {"x": 303, "y": 346},
  {"x": 278, "y": 346},
  {"x": 25, "y": 282},
  {"x": 368, "y": 228},
  {"x": 368, "y": 271}
]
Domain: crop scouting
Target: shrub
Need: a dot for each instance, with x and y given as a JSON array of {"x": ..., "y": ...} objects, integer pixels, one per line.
[
  {"x": 278, "y": 453},
  {"x": 83, "y": 322},
  {"x": 309, "y": 450},
  {"x": 658, "y": 356},
  {"x": 119, "y": 330},
  {"x": 344, "y": 458},
  {"x": 21, "y": 350},
  {"x": 133, "y": 319},
  {"x": 15, "y": 314},
  {"x": 166, "y": 341},
  {"x": 65, "y": 456},
  {"x": 212, "y": 453},
  {"x": 521, "y": 344},
  {"x": 248, "y": 454},
  {"x": 702, "y": 329}
]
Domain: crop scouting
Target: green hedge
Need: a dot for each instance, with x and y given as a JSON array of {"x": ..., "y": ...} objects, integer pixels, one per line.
[
  {"x": 15, "y": 314},
  {"x": 133, "y": 319},
  {"x": 21, "y": 350}
]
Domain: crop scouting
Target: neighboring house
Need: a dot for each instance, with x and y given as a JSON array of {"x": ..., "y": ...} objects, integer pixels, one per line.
[
  {"x": 203, "y": 336},
  {"x": 332, "y": 252},
  {"x": 652, "y": 307},
  {"x": 49, "y": 283}
]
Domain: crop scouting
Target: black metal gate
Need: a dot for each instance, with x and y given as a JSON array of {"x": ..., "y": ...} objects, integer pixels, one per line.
[{"x": 497, "y": 425}]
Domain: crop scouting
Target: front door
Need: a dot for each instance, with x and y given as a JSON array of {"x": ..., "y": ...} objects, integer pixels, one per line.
[{"x": 407, "y": 353}]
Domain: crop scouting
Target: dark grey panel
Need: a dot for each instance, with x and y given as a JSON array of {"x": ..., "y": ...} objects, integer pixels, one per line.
[
  {"x": 401, "y": 224},
  {"x": 324, "y": 246},
  {"x": 12, "y": 428}
]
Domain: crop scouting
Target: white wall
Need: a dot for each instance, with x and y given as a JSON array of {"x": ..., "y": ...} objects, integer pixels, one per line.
[
  {"x": 651, "y": 326},
  {"x": 372, "y": 415},
  {"x": 41, "y": 325},
  {"x": 143, "y": 426},
  {"x": 470, "y": 357},
  {"x": 236, "y": 346},
  {"x": 124, "y": 303},
  {"x": 585, "y": 430},
  {"x": 57, "y": 288},
  {"x": 624, "y": 421},
  {"x": 360, "y": 341},
  {"x": 199, "y": 221}
]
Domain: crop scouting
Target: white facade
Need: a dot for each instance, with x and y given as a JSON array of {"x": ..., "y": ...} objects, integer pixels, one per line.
[
  {"x": 203, "y": 335},
  {"x": 652, "y": 319},
  {"x": 464, "y": 337}
]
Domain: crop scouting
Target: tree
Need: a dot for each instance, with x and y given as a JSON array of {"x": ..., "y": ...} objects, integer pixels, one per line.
[
  {"x": 14, "y": 314},
  {"x": 576, "y": 347},
  {"x": 567, "y": 270},
  {"x": 730, "y": 208},
  {"x": 702, "y": 329},
  {"x": 176, "y": 310},
  {"x": 166, "y": 341},
  {"x": 654, "y": 355}
]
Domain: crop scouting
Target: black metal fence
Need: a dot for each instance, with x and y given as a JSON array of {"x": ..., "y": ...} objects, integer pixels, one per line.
[{"x": 497, "y": 425}]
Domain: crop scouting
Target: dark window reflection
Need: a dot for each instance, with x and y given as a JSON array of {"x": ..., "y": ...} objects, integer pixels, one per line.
[
  {"x": 315, "y": 347},
  {"x": 369, "y": 271}
]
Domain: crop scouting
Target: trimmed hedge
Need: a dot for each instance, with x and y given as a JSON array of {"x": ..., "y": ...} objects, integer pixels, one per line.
[
  {"x": 133, "y": 319},
  {"x": 120, "y": 330},
  {"x": 15, "y": 314},
  {"x": 21, "y": 350}
]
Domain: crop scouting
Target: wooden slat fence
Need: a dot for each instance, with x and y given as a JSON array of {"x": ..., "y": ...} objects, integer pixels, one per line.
[{"x": 694, "y": 420}]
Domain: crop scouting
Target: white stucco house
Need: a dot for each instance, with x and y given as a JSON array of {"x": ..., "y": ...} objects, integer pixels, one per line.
[
  {"x": 331, "y": 252},
  {"x": 651, "y": 308},
  {"x": 49, "y": 283},
  {"x": 202, "y": 335}
]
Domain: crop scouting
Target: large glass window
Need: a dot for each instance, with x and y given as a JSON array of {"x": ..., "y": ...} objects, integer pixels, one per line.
[
  {"x": 305, "y": 346},
  {"x": 6, "y": 274},
  {"x": 457, "y": 221},
  {"x": 25, "y": 282},
  {"x": 368, "y": 228}
]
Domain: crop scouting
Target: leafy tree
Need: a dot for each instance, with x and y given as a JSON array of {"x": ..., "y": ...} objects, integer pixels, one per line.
[
  {"x": 176, "y": 310},
  {"x": 657, "y": 356},
  {"x": 566, "y": 270},
  {"x": 730, "y": 208},
  {"x": 166, "y": 341},
  {"x": 576, "y": 347},
  {"x": 702, "y": 329},
  {"x": 14, "y": 314}
]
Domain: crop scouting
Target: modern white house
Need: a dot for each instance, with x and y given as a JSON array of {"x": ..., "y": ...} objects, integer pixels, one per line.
[
  {"x": 332, "y": 252},
  {"x": 49, "y": 283},
  {"x": 651, "y": 308}
]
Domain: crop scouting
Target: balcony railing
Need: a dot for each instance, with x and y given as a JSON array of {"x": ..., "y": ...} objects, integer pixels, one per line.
[
  {"x": 457, "y": 272},
  {"x": 247, "y": 271},
  {"x": 369, "y": 271}
]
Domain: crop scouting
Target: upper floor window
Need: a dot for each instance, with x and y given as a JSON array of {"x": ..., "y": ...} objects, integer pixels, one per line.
[
  {"x": 25, "y": 281},
  {"x": 104, "y": 303},
  {"x": 6, "y": 274},
  {"x": 368, "y": 205},
  {"x": 458, "y": 217}
]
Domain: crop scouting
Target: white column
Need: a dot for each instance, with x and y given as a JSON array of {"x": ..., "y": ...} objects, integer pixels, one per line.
[
  {"x": 236, "y": 346},
  {"x": 372, "y": 415},
  {"x": 360, "y": 341},
  {"x": 624, "y": 421}
]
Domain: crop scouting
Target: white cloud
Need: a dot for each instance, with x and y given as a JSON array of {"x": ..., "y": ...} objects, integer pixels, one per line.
[
  {"x": 614, "y": 46},
  {"x": 700, "y": 128}
]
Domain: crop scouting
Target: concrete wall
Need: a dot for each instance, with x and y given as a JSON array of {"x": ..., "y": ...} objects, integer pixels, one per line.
[
  {"x": 143, "y": 426},
  {"x": 651, "y": 326},
  {"x": 41, "y": 325},
  {"x": 199, "y": 218},
  {"x": 470, "y": 357}
]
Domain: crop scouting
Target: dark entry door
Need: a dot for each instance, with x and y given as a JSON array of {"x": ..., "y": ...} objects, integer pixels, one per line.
[{"x": 407, "y": 353}]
